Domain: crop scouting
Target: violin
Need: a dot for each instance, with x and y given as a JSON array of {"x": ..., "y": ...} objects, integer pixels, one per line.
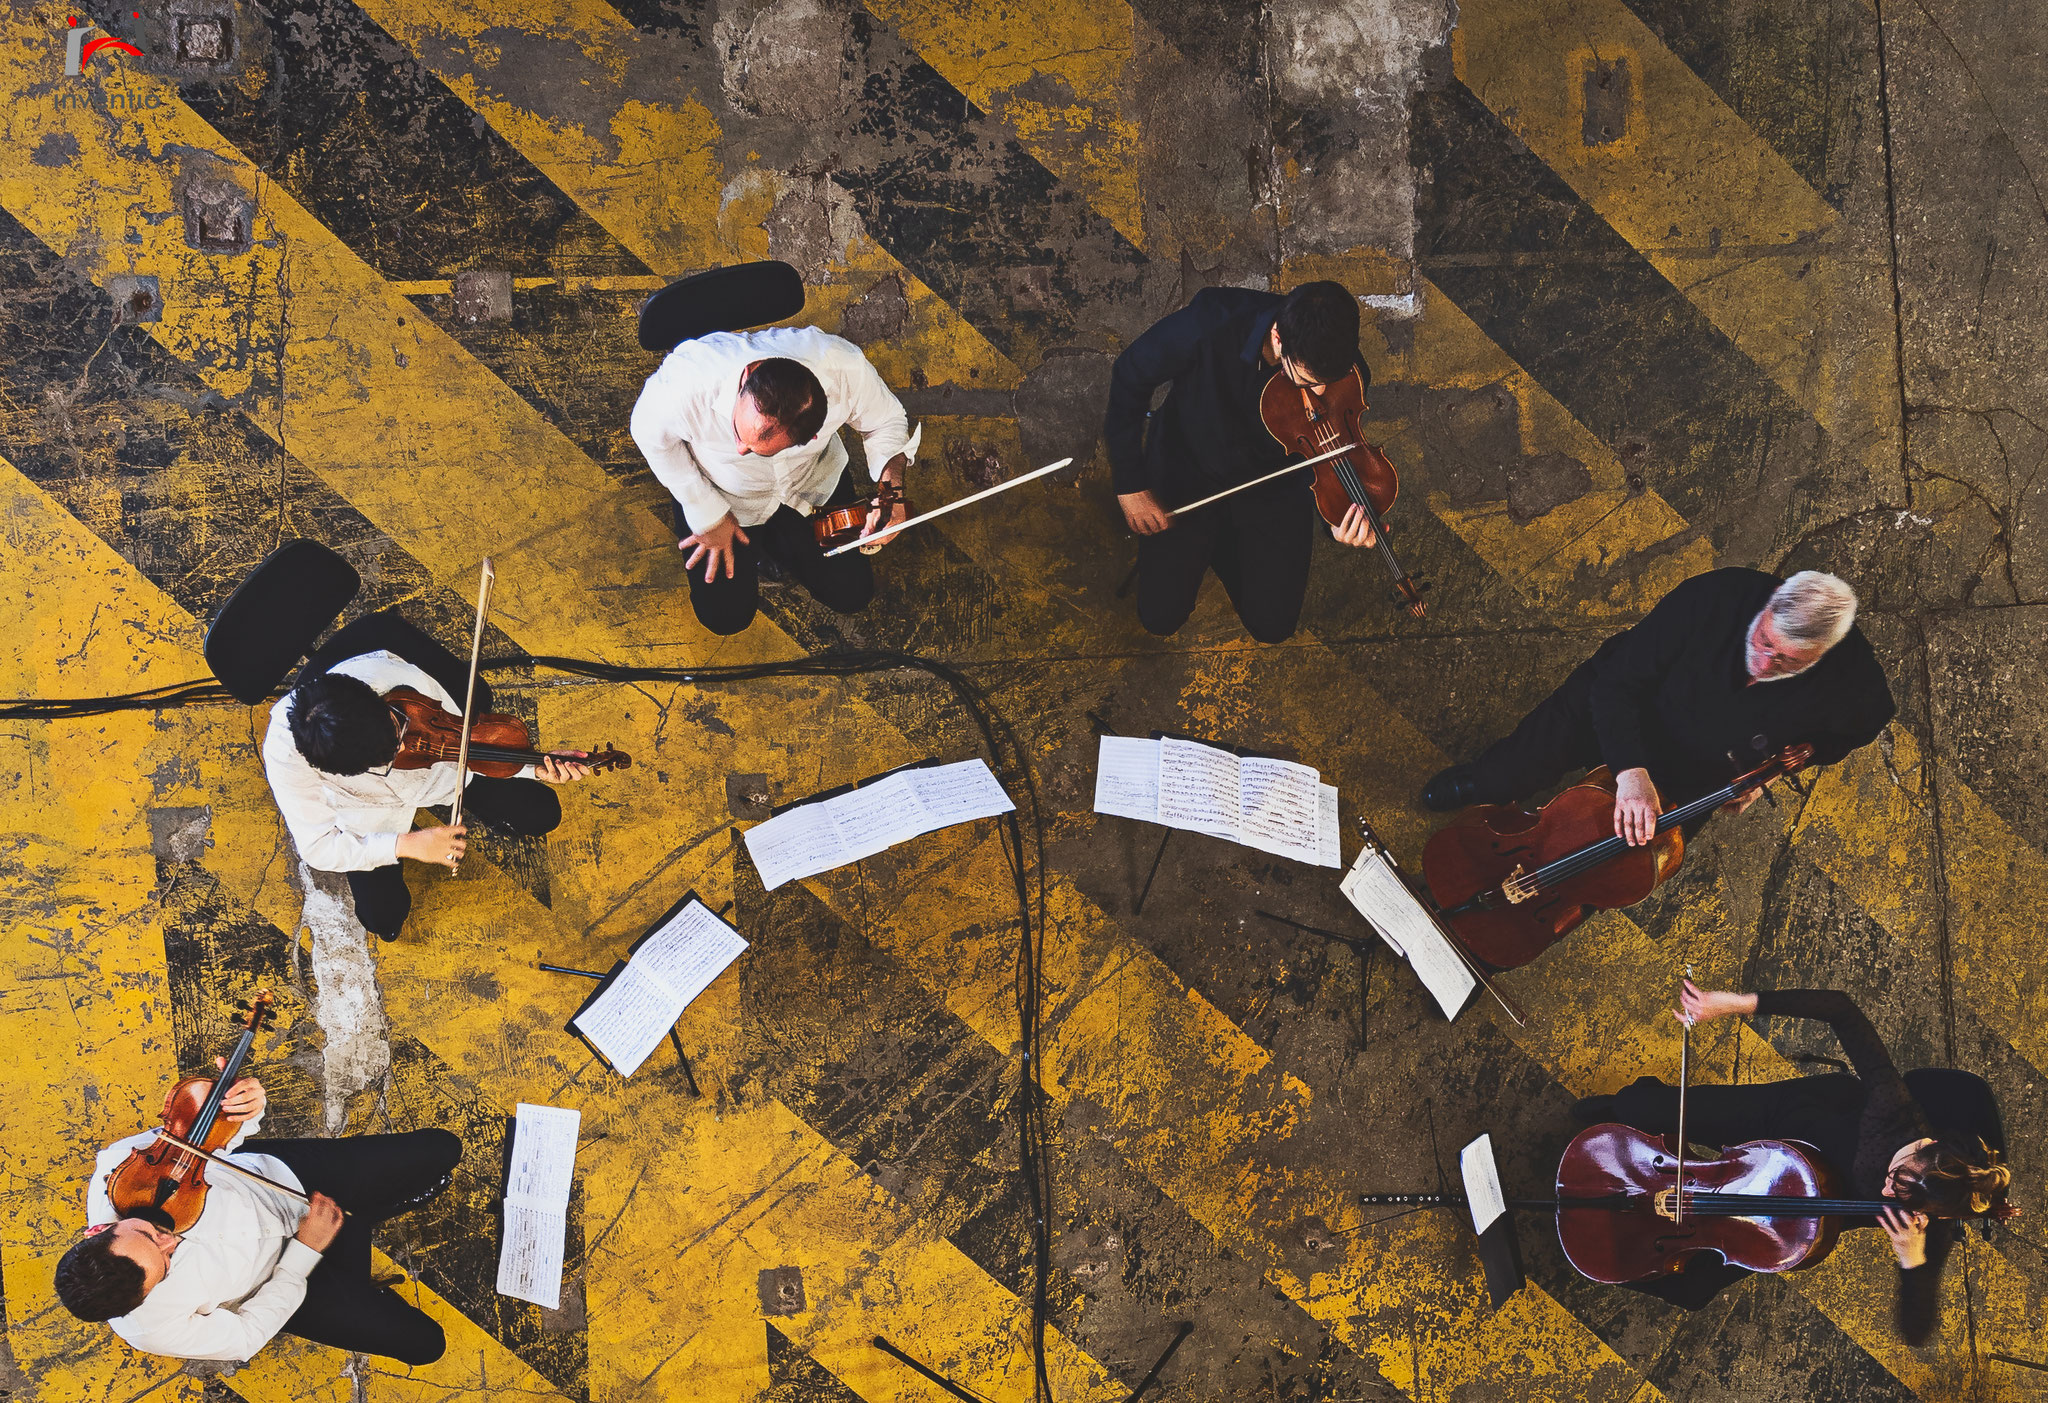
[
  {"x": 1311, "y": 424},
  {"x": 842, "y": 526},
  {"x": 1511, "y": 883},
  {"x": 499, "y": 745},
  {"x": 166, "y": 1180}
]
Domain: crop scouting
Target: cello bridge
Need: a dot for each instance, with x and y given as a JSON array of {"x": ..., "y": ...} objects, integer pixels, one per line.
[{"x": 1517, "y": 888}]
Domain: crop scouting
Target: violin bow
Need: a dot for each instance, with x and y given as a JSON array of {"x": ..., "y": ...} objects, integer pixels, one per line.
[
  {"x": 234, "y": 1168},
  {"x": 476, "y": 648},
  {"x": 1277, "y": 472},
  {"x": 1684, "y": 1080},
  {"x": 888, "y": 531}
]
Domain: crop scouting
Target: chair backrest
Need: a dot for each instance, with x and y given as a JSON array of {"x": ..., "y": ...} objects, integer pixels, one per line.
[
  {"x": 273, "y": 617},
  {"x": 723, "y": 299},
  {"x": 1958, "y": 1103}
]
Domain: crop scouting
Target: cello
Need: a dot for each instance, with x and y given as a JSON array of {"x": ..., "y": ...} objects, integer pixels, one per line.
[
  {"x": 1360, "y": 475},
  {"x": 1511, "y": 883},
  {"x": 1631, "y": 1207},
  {"x": 166, "y": 1180}
]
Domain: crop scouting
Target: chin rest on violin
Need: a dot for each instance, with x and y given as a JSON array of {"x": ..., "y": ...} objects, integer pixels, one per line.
[
  {"x": 841, "y": 526},
  {"x": 500, "y": 746}
]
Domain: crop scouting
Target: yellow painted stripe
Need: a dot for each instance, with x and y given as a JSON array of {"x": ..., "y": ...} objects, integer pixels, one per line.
[
  {"x": 1060, "y": 74},
  {"x": 653, "y": 178},
  {"x": 386, "y": 408},
  {"x": 1603, "y": 536},
  {"x": 707, "y": 1193},
  {"x": 1870, "y": 826},
  {"x": 1706, "y": 200},
  {"x": 84, "y": 1001}
]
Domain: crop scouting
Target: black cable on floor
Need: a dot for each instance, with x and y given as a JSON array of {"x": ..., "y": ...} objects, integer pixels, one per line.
[{"x": 1027, "y": 866}]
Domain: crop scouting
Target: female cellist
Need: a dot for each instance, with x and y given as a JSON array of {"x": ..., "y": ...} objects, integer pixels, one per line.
[{"x": 1867, "y": 1127}]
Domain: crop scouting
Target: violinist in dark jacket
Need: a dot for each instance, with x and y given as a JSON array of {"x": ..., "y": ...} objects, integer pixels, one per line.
[
  {"x": 1729, "y": 668},
  {"x": 1218, "y": 353},
  {"x": 1869, "y": 1127}
]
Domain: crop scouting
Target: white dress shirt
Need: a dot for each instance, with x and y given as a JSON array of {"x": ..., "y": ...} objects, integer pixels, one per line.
[
  {"x": 237, "y": 1276},
  {"x": 352, "y": 823},
  {"x": 683, "y": 424}
]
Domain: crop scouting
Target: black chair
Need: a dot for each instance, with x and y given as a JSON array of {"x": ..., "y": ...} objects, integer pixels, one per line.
[
  {"x": 1958, "y": 1104},
  {"x": 723, "y": 299},
  {"x": 273, "y": 617}
]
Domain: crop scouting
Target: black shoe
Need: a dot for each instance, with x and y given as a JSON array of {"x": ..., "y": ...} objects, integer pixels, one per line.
[
  {"x": 1450, "y": 789},
  {"x": 1593, "y": 1110}
]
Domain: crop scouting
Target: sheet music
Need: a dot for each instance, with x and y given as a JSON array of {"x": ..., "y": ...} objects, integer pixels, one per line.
[
  {"x": 1279, "y": 808},
  {"x": 677, "y": 962},
  {"x": 1482, "y": 1183},
  {"x": 958, "y": 793},
  {"x": 1127, "y": 778},
  {"x": 1199, "y": 789},
  {"x": 1329, "y": 847},
  {"x": 875, "y": 817},
  {"x": 1376, "y": 889},
  {"x": 537, "y": 1204},
  {"x": 691, "y": 949},
  {"x": 795, "y": 843}
]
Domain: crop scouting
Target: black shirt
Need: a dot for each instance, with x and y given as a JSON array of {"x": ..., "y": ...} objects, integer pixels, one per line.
[
  {"x": 1872, "y": 1122},
  {"x": 1672, "y": 694},
  {"x": 1208, "y": 434}
]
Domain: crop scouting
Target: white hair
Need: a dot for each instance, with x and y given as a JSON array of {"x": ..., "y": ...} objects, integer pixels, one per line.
[{"x": 1811, "y": 608}]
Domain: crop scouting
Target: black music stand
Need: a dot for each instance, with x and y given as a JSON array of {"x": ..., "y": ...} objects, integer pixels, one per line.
[{"x": 743, "y": 296}]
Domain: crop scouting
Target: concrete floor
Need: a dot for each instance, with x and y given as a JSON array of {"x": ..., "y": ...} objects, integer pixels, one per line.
[{"x": 1656, "y": 285}]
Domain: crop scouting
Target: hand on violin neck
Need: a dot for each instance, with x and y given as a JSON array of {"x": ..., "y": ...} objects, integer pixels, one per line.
[
  {"x": 1908, "y": 1232},
  {"x": 1143, "y": 513},
  {"x": 899, "y": 509},
  {"x": 444, "y": 845},
  {"x": 717, "y": 545},
  {"x": 559, "y": 769},
  {"x": 245, "y": 1099},
  {"x": 1356, "y": 528},
  {"x": 1636, "y": 807},
  {"x": 1697, "y": 1005}
]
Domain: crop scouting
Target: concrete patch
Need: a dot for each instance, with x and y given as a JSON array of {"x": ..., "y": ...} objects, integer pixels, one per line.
[
  {"x": 348, "y": 1005},
  {"x": 181, "y": 834}
]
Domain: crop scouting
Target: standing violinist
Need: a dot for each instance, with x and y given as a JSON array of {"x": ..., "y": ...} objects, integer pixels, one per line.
[
  {"x": 1218, "y": 353},
  {"x": 258, "y": 1261},
  {"x": 1868, "y": 1127},
  {"x": 1729, "y": 668},
  {"x": 742, "y": 428},
  {"x": 328, "y": 754}
]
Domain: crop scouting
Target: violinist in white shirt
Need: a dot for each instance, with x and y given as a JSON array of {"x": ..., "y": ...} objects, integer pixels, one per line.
[
  {"x": 328, "y": 755},
  {"x": 742, "y": 428},
  {"x": 258, "y": 1261}
]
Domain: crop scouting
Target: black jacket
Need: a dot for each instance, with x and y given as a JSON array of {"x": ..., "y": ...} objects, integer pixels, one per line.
[
  {"x": 1208, "y": 435},
  {"x": 1672, "y": 693}
]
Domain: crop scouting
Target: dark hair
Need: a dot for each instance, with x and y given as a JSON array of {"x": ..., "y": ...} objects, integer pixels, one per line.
[
  {"x": 1954, "y": 1178},
  {"x": 1318, "y": 326},
  {"x": 95, "y": 1283},
  {"x": 341, "y": 725},
  {"x": 787, "y": 392}
]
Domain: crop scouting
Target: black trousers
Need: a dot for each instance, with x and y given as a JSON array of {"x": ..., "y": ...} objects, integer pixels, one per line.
[
  {"x": 373, "y": 1177},
  {"x": 844, "y": 584},
  {"x": 523, "y": 806},
  {"x": 1555, "y": 738},
  {"x": 1258, "y": 544}
]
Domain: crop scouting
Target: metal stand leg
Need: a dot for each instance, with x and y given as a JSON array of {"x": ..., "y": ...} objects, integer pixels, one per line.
[{"x": 1139, "y": 909}]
